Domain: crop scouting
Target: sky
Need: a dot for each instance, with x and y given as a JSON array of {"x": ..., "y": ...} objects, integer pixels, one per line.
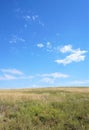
[{"x": 44, "y": 43}]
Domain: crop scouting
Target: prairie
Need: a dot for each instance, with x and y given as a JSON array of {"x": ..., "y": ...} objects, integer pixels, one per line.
[{"x": 62, "y": 108}]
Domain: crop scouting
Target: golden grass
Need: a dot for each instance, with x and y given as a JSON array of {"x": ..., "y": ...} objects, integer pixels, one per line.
[
  {"x": 18, "y": 96},
  {"x": 29, "y": 94},
  {"x": 70, "y": 89}
]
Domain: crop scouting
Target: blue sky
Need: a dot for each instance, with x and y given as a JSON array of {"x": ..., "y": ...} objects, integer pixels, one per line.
[{"x": 44, "y": 43}]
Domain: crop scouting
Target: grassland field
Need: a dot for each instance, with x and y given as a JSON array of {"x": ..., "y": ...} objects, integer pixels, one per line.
[{"x": 61, "y": 108}]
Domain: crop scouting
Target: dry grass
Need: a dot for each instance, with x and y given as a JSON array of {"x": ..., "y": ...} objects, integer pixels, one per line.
[
  {"x": 70, "y": 89},
  {"x": 18, "y": 96},
  {"x": 38, "y": 93},
  {"x": 44, "y": 109},
  {"x": 75, "y": 89}
]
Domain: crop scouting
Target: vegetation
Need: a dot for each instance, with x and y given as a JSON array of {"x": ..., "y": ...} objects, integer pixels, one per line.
[{"x": 44, "y": 109}]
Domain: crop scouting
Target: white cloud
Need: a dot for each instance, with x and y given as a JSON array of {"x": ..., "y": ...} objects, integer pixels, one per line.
[
  {"x": 40, "y": 45},
  {"x": 12, "y": 77},
  {"x": 59, "y": 75},
  {"x": 75, "y": 55},
  {"x": 48, "y": 46},
  {"x": 7, "y": 77},
  {"x": 51, "y": 78},
  {"x": 13, "y": 74},
  {"x": 66, "y": 48},
  {"x": 12, "y": 71},
  {"x": 56, "y": 75},
  {"x": 16, "y": 39},
  {"x": 30, "y": 17},
  {"x": 47, "y": 80}
]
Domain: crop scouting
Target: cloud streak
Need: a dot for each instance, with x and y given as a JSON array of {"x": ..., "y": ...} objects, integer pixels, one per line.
[
  {"x": 55, "y": 75},
  {"x": 13, "y": 74},
  {"x": 15, "y": 39},
  {"x": 51, "y": 78},
  {"x": 12, "y": 71},
  {"x": 7, "y": 77}
]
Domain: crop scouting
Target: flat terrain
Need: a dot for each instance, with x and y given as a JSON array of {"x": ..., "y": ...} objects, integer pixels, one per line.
[{"x": 64, "y": 108}]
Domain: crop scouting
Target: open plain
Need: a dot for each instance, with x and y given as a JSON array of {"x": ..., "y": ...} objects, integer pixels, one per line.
[{"x": 61, "y": 108}]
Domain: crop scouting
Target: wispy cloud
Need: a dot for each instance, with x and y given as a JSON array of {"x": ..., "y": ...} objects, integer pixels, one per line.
[
  {"x": 28, "y": 16},
  {"x": 48, "y": 46},
  {"x": 13, "y": 74},
  {"x": 18, "y": 10},
  {"x": 29, "y": 19},
  {"x": 12, "y": 71},
  {"x": 40, "y": 45},
  {"x": 51, "y": 78},
  {"x": 16, "y": 39},
  {"x": 14, "y": 77},
  {"x": 47, "y": 80},
  {"x": 55, "y": 75},
  {"x": 76, "y": 55},
  {"x": 7, "y": 77},
  {"x": 34, "y": 17}
]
